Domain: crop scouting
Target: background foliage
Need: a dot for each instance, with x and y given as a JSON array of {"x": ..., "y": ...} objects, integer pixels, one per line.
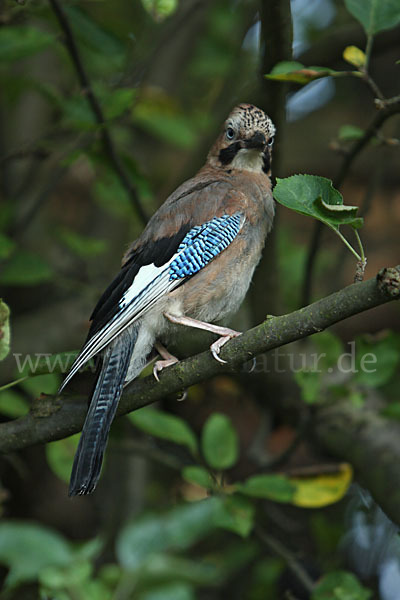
[{"x": 230, "y": 494}]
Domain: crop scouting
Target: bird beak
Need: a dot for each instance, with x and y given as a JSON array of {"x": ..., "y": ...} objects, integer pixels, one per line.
[{"x": 257, "y": 141}]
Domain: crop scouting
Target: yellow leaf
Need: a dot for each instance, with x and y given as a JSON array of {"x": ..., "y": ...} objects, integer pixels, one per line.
[
  {"x": 354, "y": 56},
  {"x": 314, "y": 492}
]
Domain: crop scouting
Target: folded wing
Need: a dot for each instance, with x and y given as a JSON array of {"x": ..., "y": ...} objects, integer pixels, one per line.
[{"x": 147, "y": 277}]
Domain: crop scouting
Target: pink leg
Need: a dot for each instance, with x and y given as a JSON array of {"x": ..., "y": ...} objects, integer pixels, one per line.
[
  {"x": 169, "y": 359},
  {"x": 225, "y": 333}
]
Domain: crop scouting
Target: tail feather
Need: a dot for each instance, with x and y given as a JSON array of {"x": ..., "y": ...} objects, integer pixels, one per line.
[{"x": 103, "y": 405}]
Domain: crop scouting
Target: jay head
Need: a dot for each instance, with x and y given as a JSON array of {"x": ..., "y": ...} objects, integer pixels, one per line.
[
  {"x": 245, "y": 142},
  {"x": 191, "y": 267}
]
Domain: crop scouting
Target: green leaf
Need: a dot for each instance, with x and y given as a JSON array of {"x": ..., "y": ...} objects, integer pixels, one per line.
[
  {"x": 77, "y": 112},
  {"x": 105, "y": 50},
  {"x": 272, "y": 487},
  {"x": 337, "y": 214},
  {"x": 160, "y": 9},
  {"x": 197, "y": 475},
  {"x": 13, "y": 404},
  {"x": 165, "y": 426},
  {"x": 265, "y": 576},
  {"x": 60, "y": 456},
  {"x": 81, "y": 245},
  {"x": 165, "y": 567},
  {"x": 118, "y": 101},
  {"x": 58, "y": 578},
  {"x": 354, "y": 56},
  {"x": 375, "y": 15},
  {"x": 6, "y": 245},
  {"x": 297, "y": 73},
  {"x": 21, "y": 41},
  {"x": 4, "y": 330},
  {"x": 237, "y": 515},
  {"x": 44, "y": 364},
  {"x": 391, "y": 411},
  {"x": 166, "y": 123},
  {"x": 26, "y": 549},
  {"x": 307, "y": 492},
  {"x": 316, "y": 197},
  {"x": 350, "y": 132},
  {"x": 330, "y": 347},
  {"x": 377, "y": 361},
  {"x": 170, "y": 591},
  {"x": 25, "y": 268},
  {"x": 42, "y": 384},
  {"x": 177, "y": 529},
  {"x": 110, "y": 193},
  {"x": 309, "y": 383},
  {"x": 219, "y": 442},
  {"x": 340, "y": 585},
  {"x": 291, "y": 257}
]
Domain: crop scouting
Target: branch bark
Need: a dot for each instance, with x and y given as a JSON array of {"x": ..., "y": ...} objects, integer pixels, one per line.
[{"x": 52, "y": 418}]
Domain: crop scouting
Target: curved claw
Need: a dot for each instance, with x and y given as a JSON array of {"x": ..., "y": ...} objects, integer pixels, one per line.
[
  {"x": 155, "y": 372},
  {"x": 162, "y": 364},
  {"x": 183, "y": 397},
  {"x": 215, "y": 352},
  {"x": 216, "y": 346}
]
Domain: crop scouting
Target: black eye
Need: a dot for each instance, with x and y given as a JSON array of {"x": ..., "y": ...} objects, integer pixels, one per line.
[
  {"x": 230, "y": 133},
  {"x": 271, "y": 141}
]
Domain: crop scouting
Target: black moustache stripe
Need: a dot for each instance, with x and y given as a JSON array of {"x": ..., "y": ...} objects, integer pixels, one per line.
[
  {"x": 227, "y": 155},
  {"x": 266, "y": 161}
]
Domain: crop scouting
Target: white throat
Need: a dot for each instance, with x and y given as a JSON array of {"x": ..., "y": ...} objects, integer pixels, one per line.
[{"x": 248, "y": 159}]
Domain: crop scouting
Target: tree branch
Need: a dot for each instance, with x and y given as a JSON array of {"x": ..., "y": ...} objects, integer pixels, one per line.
[
  {"x": 370, "y": 443},
  {"x": 53, "y": 418},
  {"x": 96, "y": 108},
  {"x": 355, "y": 150}
]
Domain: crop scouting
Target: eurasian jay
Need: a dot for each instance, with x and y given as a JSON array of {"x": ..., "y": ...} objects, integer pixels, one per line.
[{"x": 192, "y": 266}]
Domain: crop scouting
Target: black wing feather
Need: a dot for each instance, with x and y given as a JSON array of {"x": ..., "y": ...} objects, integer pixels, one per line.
[{"x": 159, "y": 252}]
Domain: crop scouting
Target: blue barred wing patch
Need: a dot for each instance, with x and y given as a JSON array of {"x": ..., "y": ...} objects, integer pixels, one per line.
[{"x": 203, "y": 243}]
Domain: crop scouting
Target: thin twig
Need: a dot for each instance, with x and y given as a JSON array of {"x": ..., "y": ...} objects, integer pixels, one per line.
[
  {"x": 96, "y": 108},
  {"x": 280, "y": 550},
  {"x": 387, "y": 102},
  {"x": 355, "y": 150},
  {"x": 368, "y": 49},
  {"x": 375, "y": 89},
  {"x": 359, "y": 145}
]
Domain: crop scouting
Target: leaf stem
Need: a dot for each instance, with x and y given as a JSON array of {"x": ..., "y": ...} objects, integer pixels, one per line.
[
  {"x": 350, "y": 247},
  {"x": 12, "y": 383},
  {"x": 362, "y": 254},
  {"x": 368, "y": 49}
]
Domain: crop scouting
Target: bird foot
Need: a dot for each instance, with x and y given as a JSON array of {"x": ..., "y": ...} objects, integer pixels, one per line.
[
  {"x": 225, "y": 333},
  {"x": 162, "y": 364},
  {"x": 215, "y": 348},
  {"x": 169, "y": 359}
]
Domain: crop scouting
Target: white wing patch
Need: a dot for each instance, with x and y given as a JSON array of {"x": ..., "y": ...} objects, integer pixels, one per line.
[
  {"x": 147, "y": 275},
  {"x": 150, "y": 284}
]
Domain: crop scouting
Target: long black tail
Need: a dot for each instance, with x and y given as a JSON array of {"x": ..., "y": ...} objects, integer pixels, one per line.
[{"x": 104, "y": 402}]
